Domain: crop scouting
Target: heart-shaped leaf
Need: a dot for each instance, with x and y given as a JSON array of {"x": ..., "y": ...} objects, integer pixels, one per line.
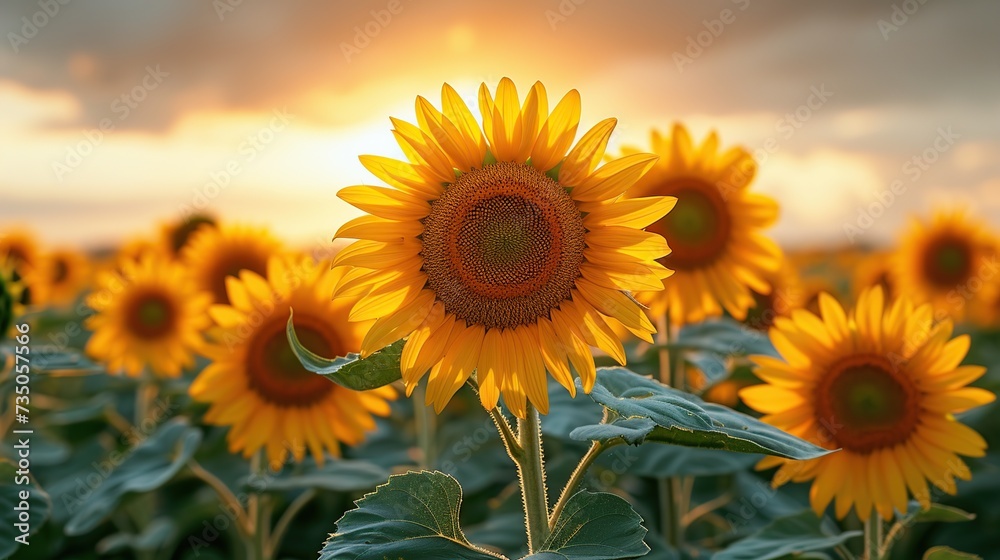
[
  {"x": 150, "y": 465},
  {"x": 793, "y": 534},
  {"x": 377, "y": 370},
  {"x": 413, "y": 516},
  {"x": 643, "y": 410},
  {"x": 595, "y": 526}
]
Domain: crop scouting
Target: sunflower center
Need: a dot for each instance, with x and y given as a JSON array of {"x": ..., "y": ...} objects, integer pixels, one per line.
[
  {"x": 863, "y": 403},
  {"x": 230, "y": 265},
  {"x": 698, "y": 227},
  {"x": 151, "y": 316},
  {"x": 503, "y": 245},
  {"x": 274, "y": 372},
  {"x": 948, "y": 262}
]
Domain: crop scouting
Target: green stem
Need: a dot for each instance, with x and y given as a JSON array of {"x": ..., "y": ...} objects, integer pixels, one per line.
[
  {"x": 425, "y": 419},
  {"x": 259, "y": 514},
  {"x": 671, "y": 490},
  {"x": 873, "y": 537},
  {"x": 532, "y": 474},
  {"x": 144, "y": 396},
  {"x": 596, "y": 448},
  {"x": 286, "y": 520}
]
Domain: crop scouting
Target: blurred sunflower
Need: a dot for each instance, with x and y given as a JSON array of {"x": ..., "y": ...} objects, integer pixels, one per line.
[
  {"x": 946, "y": 262},
  {"x": 148, "y": 314},
  {"x": 176, "y": 236},
  {"x": 214, "y": 254},
  {"x": 257, "y": 385},
  {"x": 59, "y": 277},
  {"x": 714, "y": 232},
  {"x": 874, "y": 269},
  {"x": 10, "y": 298},
  {"x": 786, "y": 295},
  {"x": 19, "y": 250},
  {"x": 987, "y": 313},
  {"x": 883, "y": 385},
  {"x": 498, "y": 250}
]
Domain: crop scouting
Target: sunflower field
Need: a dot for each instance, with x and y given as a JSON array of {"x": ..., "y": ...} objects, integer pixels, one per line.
[
  {"x": 520, "y": 280},
  {"x": 539, "y": 332}
]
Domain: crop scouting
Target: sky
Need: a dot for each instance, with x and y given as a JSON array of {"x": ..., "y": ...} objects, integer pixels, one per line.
[{"x": 119, "y": 115}]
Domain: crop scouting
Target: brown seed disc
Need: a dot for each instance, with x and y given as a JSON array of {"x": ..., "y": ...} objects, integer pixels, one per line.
[
  {"x": 698, "y": 227},
  {"x": 274, "y": 372},
  {"x": 503, "y": 245}
]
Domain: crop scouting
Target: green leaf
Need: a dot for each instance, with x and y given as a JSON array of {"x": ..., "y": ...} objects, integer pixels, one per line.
[
  {"x": 943, "y": 514},
  {"x": 153, "y": 537},
  {"x": 377, "y": 370},
  {"x": 643, "y": 410},
  {"x": 793, "y": 534},
  {"x": 32, "y": 510},
  {"x": 151, "y": 465},
  {"x": 948, "y": 553},
  {"x": 593, "y": 526},
  {"x": 724, "y": 337},
  {"x": 413, "y": 516},
  {"x": 339, "y": 475}
]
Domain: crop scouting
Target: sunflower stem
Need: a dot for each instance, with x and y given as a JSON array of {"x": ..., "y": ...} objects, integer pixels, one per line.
[
  {"x": 873, "y": 537},
  {"x": 425, "y": 420},
  {"x": 596, "y": 448},
  {"x": 532, "y": 473},
  {"x": 144, "y": 396},
  {"x": 258, "y": 510},
  {"x": 670, "y": 490},
  {"x": 285, "y": 521}
]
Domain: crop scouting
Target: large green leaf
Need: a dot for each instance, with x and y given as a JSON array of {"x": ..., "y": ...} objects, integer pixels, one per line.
[
  {"x": 793, "y": 534},
  {"x": 593, "y": 526},
  {"x": 20, "y": 517},
  {"x": 377, "y": 370},
  {"x": 643, "y": 410},
  {"x": 150, "y": 465},
  {"x": 414, "y": 516},
  {"x": 948, "y": 553},
  {"x": 722, "y": 336}
]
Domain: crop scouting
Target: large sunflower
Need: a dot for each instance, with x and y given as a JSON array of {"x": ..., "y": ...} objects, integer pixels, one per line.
[
  {"x": 59, "y": 277},
  {"x": 714, "y": 232},
  {"x": 148, "y": 314},
  {"x": 882, "y": 385},
  {"x": 496, "y": 250},
  {"x": 946, "y": 262},
  {"x": 216, "y": 253},
  {"x": 257, "y": 385}
]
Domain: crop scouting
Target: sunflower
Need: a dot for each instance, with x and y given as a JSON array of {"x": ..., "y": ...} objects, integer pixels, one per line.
[
  {"x": 175, "y": 236},
  {"x": 10, "y": 298},
  {"x": 59, "y": 277},
  {"x": 19, "y": 251},
  {"x": 147, "y": 314},
  {"x": 786, "y": 295},
  {"x": 214, "y": 254},
  {"x": 874, "y": 269},
  {"x": 714, "y": 232},
  {"x": 946, "y": 262},
  {"x": 257, "y": 385},
  {"x": 883, "y": 385},
  {"x": 504, "y": 250}
]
